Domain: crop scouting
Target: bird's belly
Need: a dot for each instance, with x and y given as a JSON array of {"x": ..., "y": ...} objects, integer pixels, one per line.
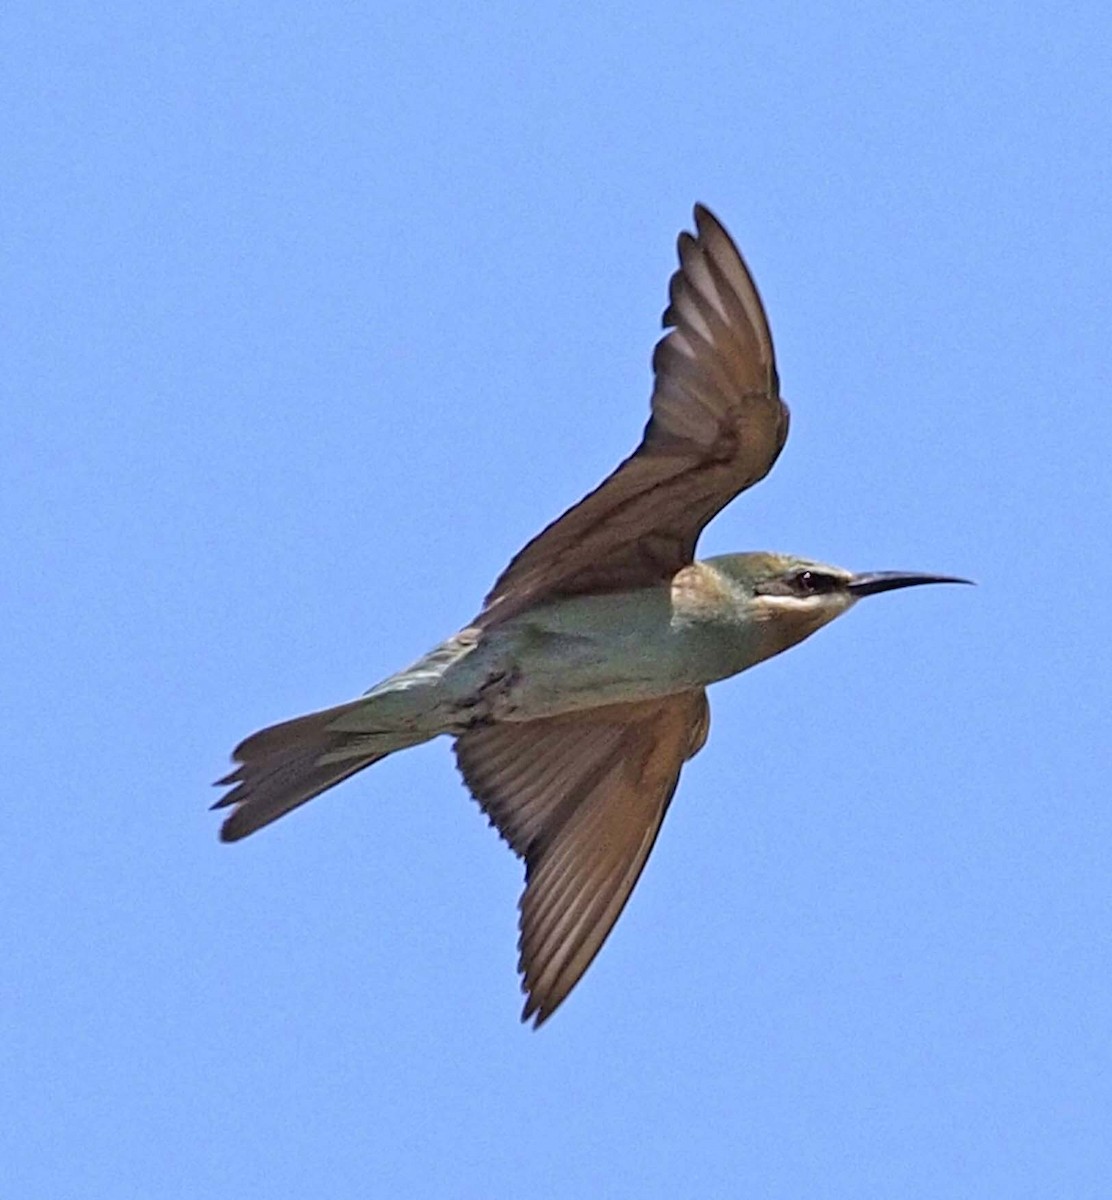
[{"x": 591, "y": 651}]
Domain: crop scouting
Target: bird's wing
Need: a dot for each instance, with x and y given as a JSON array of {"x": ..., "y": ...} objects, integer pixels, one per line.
[
  {"x": 717, "y": 426},
  {"x": 580, "y": 797}
]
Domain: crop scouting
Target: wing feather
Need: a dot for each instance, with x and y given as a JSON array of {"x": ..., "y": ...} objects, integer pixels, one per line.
[
  {"x": 581, "y": 798},
  {"x": 717, "y": 426}
]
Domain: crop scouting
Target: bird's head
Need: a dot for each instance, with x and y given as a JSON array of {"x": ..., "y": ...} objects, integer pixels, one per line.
[{"x": 790, "y": 598}]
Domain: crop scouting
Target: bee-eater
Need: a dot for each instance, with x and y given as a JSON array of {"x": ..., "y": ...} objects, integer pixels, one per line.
[{"x": 578, "y": 692}]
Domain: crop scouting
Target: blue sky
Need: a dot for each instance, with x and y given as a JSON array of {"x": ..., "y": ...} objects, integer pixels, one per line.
[{"x": 313, "y": 316}]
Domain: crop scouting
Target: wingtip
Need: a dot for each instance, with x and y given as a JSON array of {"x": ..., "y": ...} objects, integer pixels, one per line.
[
  {"x": 705, "y": 218},
  {"x": 533, "y": 1014},
  {"x": 686, "y": 241},
  {"x": 535, "y": 1010},
  {"x": 230, "y": 830},
  {"x": 228, "y": 798}
]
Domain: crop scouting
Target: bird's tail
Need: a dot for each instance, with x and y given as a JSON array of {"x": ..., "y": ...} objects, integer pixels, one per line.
[{"x": 287, "y": 764}]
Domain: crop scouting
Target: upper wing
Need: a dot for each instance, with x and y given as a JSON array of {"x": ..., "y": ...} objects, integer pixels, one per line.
[
  {"x": 580, "y": 797},
  {"x": 717, "y": 426}
]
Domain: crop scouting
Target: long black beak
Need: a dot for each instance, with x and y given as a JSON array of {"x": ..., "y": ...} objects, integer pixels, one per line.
[{"x": 872, "y": 582}]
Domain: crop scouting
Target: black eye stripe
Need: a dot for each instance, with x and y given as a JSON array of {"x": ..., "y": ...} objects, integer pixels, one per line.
[
  {"x": 800, "y": 584},
  {"x": 813, "y": 583}
]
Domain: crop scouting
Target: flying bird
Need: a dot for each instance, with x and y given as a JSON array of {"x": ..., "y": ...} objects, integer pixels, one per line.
[{"x": 578, "y": 692}]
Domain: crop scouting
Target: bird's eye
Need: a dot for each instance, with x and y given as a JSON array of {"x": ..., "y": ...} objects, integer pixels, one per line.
[{"x": 813, "y": 583}]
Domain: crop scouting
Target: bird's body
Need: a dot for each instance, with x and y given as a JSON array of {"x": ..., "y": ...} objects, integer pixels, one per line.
[
  {"x": 589, "y": 651},
  {"x": 578, "y": 691},
  {"x": 581, "y": 653}
]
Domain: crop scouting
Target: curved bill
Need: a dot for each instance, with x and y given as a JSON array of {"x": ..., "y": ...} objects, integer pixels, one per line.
[{"x": 871, "y": 582}]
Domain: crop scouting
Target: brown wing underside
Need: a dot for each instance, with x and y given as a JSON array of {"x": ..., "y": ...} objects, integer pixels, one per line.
[
  {"x": 581, "y": 798},
  {"x": 716, "y": 428}
]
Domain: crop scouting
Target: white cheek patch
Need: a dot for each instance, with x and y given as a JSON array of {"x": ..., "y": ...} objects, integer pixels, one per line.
[{"x": 802, "y": 614}]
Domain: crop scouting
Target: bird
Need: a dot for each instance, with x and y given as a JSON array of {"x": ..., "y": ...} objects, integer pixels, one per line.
[{"x": 578, "y": 692}]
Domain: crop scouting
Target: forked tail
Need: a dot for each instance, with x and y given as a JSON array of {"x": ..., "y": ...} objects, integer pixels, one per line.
[
  {"x": 287, "y": 764},
  {"x": 284, "y": 765}
]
